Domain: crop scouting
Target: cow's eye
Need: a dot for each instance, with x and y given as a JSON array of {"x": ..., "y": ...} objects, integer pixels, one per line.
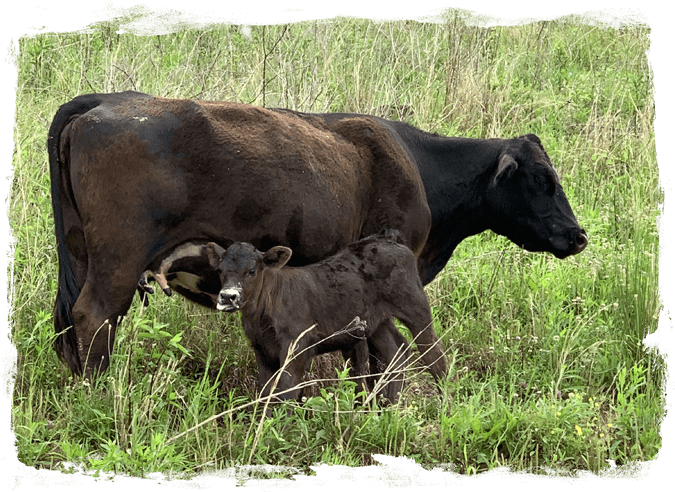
[
  {"x": 547, "y": 184},
  {"x": 251, "y": 272}
]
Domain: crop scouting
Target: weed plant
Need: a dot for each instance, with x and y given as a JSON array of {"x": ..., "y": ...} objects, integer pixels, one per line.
[{"x": 549, "y": 371}]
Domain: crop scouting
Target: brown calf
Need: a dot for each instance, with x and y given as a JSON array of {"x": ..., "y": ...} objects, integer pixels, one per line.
[{"x": 374, "y": 278}]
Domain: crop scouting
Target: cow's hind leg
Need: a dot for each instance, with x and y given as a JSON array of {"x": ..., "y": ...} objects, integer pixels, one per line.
[{"x": 106, "y": 296}]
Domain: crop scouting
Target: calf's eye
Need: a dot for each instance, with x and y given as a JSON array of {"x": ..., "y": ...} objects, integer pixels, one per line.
[{"x": 251, "y": 272}]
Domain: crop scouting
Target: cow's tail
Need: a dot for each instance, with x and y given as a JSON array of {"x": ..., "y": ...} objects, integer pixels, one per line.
[{"x": 68, "y": 287}]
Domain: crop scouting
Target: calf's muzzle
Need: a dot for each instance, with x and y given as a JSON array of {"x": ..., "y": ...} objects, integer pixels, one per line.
[{"x": 229, "y": 299}]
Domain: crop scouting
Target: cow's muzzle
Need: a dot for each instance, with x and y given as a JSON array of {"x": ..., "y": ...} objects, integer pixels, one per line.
[
  {"x": 580, "y": 242},
  {"x": 574, "y": 242}
]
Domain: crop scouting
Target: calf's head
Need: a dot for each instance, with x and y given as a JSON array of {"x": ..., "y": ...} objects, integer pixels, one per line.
[
  {"x": 527, "y": 204},
  {"x": 242, "y": 270}
]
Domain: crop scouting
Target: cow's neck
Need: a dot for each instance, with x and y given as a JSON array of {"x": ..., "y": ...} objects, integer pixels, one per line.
[{"x": 455, "y": 175}]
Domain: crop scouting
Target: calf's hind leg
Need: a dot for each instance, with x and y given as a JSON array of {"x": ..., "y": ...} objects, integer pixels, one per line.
[
  {"x": 417, "y": 317},
  {"x": 358, "y": 352},
  {"x": 389, "y": 356}
]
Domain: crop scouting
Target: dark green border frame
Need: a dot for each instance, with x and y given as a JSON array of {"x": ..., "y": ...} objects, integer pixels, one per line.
[{"x": 57, "y": 15}]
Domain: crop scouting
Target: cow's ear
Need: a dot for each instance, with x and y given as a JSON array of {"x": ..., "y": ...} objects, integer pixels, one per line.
[
  {"x": 505, "y": 168},
  {"x": 277, "y": 256},
  {"x": 214, "y": 253}
]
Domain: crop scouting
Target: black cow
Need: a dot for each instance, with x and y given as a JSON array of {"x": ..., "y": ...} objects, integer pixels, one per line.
[
  {"x": 135, "y": 176},
  {"x": 372, "y": 279},
  {"x": 506, "y": 185}
]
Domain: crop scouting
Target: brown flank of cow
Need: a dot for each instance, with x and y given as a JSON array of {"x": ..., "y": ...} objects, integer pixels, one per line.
[
  {"x": 373, "y": 279},
  {"x": 135, "y": 176}
]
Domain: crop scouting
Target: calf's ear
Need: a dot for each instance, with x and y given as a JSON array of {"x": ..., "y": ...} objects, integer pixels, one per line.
[
  {"x": 214, "y": 253},
  {"x": 505, "y": 168},
  {"x": 277, "y": 256}
]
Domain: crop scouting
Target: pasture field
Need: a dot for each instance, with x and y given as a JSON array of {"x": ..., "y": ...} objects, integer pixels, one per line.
[{"x": 548, "y": 369}]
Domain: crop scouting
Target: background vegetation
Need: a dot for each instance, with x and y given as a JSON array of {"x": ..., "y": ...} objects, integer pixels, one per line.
[{"x": 548, "y": 367}]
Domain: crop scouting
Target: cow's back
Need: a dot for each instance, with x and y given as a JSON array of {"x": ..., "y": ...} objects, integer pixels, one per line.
[{"x": 180, "y": 169}]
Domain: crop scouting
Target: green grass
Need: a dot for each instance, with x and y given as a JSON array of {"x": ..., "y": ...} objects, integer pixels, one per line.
[{"x": 548, "y": 366}]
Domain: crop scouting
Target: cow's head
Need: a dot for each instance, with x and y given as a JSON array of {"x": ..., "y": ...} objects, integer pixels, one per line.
[
  {"x": 241, "y": 269},
  {"x": 527, "y": 204}
]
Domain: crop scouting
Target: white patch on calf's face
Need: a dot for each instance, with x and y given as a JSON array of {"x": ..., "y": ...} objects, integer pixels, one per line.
[{"x": 229, "y": 293}]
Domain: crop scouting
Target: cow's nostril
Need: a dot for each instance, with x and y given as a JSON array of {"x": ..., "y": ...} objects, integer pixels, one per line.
[{"x": 582, "y": 240}]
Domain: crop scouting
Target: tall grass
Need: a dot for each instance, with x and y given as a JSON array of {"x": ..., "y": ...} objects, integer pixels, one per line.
[{"x": 548, "y": 365}]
